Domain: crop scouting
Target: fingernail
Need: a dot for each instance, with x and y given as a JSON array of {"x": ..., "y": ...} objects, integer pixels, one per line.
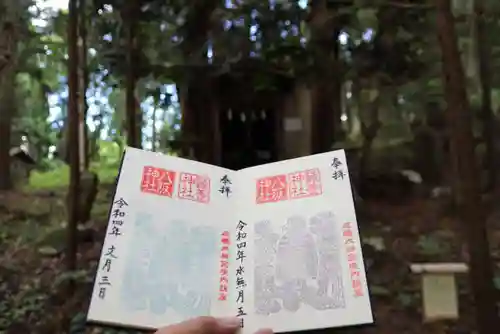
[{"x": 229, "y": 322}]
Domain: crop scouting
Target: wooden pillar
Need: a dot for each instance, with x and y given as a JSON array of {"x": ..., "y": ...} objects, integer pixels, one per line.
[
  {"x": 216, "y": 158},
  {"x": 200, "y": 122},
  {"x": 188, "y": 128}
]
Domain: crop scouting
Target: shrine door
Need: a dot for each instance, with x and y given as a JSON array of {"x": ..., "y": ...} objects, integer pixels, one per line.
[{"x": 248, "y": 138}]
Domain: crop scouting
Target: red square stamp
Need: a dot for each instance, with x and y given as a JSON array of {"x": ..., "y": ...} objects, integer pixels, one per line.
[
  {"x": 194, "y": 187},
  {"x": 158, "y": 181},
  {"x": 272, "y": 189},
  {"x": 306, "y": 183}
]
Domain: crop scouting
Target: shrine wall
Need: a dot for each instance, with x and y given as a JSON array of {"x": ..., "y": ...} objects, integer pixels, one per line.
[{"x": 296, "y": 123}]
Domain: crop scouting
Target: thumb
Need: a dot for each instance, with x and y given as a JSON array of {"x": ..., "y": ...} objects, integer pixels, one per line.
[{"x": 203, "y": 325}]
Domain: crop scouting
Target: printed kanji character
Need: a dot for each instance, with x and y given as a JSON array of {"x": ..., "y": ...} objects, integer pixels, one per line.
[
  {"x": 194, "y": 187},
  {"x": 225, "y": 238},
  {"x": 305, "y": 183},
  {"x": 225, "y": 180},
  {"x": 240, "y": 255},
  {"x": 240, "y": 282},
  {"x": 350, "y": 248},
  {"x": 225, "y": 190},
  {"x": 338, "y": 174},
  {"x": 336, "y": 163},
  {"x": 241, "y": 297},
  {"x": 351, "y": 257},
  {"x": 107, "y": 265},
  {"x": 158, "y": 181},
  {"x": 240, "y": 270},
  {"x": 272, "y": 189},
  {"x": 241, "y": 236},
  {"x": 358, "y": 289},
  {"x": 102, "y": 293},
  {"x": 347, "y": 233},
  {"x": 117, "y": 213},
  {"x": 120, "y": 203},
  {"x": 241, "y": 224},
  {"x": 115, "y": 231},
  {"x": 240, "y": 312},
  {"x": 104, "y": 281},
  {"x": 117, "y": 222},
  {"x": 111, "y": 252}
]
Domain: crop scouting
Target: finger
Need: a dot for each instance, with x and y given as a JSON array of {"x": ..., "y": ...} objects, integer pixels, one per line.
[
  {"x": 203, "y": 325},
  {"x": 264, "y": 331}
]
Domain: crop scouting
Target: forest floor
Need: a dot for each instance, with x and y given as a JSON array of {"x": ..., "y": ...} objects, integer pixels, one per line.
[{"x": 32, "y": 242}]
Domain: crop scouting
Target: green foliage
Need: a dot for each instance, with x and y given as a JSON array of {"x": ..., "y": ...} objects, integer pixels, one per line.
[
  {"x": 58, "y": 176},
  {"x": 55, "y": 178},
  {"x": 432, "y": 245},
  {"x": 378, "y": 290},
  {"x": 406, "y": 299},
  {"x": 367, "y": 18},
  {"x": 79, "y": 276},
  {"x": 29, "y": 304}
]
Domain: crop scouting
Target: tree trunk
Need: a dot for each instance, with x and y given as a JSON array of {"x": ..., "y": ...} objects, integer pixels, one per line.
[
  {"x": 153, "y": 137},
  {"x": 9, "y": 36},
  {"x": 130, "y": 19},
  {"x": 83, "y": 79},
  {"x": 347, "y": 108},
  {"x": 327, "y": 101},
  {"x": 369, "y": 132},
  {"x": 337, "y": 133},
  {"x": 484, "y": 56},
  {"x": 73, "y": 138},
  {"x": 471, "y": 210},
  {"x": 194, "y": 97},
  {"x": 94, "y": 138}
]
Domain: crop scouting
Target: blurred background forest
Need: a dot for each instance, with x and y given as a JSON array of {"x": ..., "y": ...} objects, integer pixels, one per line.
[{"x": 409, "y": 88}]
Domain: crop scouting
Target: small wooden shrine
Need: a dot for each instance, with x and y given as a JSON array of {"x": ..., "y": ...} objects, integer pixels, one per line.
[{"x": 242, "y": 116}]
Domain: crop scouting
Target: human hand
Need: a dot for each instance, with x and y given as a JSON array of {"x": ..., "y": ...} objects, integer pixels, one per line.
[{"x": 207, "y": 325}]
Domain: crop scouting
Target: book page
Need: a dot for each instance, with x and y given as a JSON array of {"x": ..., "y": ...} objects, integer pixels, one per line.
[
  {"x": 165, "y": 255},
  {"x": 301, "y": 265}
]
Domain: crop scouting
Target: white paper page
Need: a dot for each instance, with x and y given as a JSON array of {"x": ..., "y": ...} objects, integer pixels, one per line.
[
  {"x": 165, "y": 252},
  {"x": 303, "y": 267}
]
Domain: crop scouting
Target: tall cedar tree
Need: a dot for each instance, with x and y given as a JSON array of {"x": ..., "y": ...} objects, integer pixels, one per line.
[
  {"x": 471, "y": 209},
  {"x": 133, "y": 134},
  {"x": 9, "y": 26},
  {"x": 485, "y": 76},
  {"x": 73, "y": 137}
]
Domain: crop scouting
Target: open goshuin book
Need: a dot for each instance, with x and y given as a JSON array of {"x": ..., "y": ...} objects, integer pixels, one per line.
[{"x": 276, "y": 245}]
